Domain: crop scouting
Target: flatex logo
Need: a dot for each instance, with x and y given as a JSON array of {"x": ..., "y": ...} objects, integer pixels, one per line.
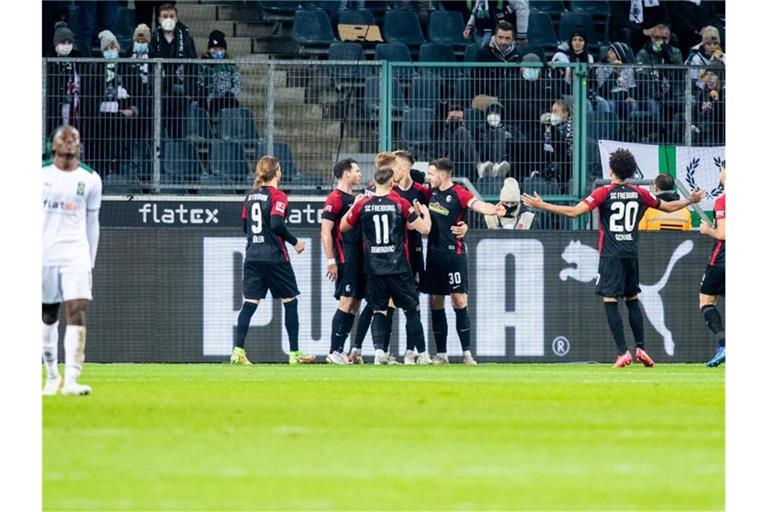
[{"x": 151, "y": 213}]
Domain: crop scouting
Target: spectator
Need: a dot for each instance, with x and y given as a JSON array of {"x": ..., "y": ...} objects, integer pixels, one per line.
[
  {"x": 558, "y": 144},
  {"x": 172, "y": 40},
  {"x": 144, "y": 83},
  {"x": 630, "y": 20},
  {"x": 111, "y": 107},
  {"x": 94, "y": 17},
  {"x": 709, "y": 111},
  {"x": 63, "y": 83},
  {"x": 616, "y": 82},
  {"x": 517, "y": 216},
  {"x": 496, "y": 81},
  {"x": 657, "y": 220},
  {"x": 574, "y": 50},
  {"x": 219, "y": 83},
  {"x": 148, "y": 11},
  {"x": 689, "y": 18},
  {"x": 494, "y": 143},
  {"x": 456, "y": 144},
  {"x": 661, "y": 89},
  {"x": 486, "y": 14},
  {"x": 706, "y": 53}
]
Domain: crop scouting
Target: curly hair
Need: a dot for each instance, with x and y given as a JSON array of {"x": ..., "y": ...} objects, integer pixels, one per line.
[{"x": 622, "y": 163}]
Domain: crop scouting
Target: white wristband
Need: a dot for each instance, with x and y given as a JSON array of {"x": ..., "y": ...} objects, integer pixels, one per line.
[{"x": 331, "y": 261}]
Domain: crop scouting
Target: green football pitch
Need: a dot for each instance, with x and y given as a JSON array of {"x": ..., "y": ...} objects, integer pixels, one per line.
[{"x": 278, "y": 437}]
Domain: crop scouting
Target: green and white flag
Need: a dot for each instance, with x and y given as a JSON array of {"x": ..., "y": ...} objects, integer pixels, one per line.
[{"x": 693, "y": 166}]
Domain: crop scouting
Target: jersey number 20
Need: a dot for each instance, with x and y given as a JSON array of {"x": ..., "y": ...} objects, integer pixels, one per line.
[{"x": 624, "y": 216}]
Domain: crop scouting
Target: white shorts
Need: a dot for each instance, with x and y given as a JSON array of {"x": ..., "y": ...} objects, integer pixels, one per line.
[{"x": 61, "y": 284}]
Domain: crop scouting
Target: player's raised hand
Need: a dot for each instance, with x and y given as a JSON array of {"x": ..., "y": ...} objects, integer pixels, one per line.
[
  {"x": 359, "y": 197},
  {"x": 696, "y": 196},
  {"x": 460, "y": 229},
  {"x": 299, "y": 247},
  {"x": 423, "y": 209},
  {"x": 332, "y": 271},
  {"x": 534, "y": 201},
  {"x": 501, "y": 210}
]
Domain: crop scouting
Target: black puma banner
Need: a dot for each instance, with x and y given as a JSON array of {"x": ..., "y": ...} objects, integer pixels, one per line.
[{"x": 174, "y": 295}]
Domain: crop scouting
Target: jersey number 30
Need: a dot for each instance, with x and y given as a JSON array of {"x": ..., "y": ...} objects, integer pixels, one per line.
[{"x": 624, "y": 216}]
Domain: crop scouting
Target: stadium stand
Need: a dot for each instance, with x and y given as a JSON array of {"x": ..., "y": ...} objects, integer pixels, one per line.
[
  {"x": 446, "y": 27},
  {"x": 541, "y": 31},
  {"x": 401, "y": 26},
  {"x": 237, "y": 124},
  {"x": 356, "y": 17},
  {"x": 312, "y": 31}
]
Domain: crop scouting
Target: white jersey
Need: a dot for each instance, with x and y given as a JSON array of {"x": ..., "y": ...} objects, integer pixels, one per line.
[{"x": 68, "y": 196}]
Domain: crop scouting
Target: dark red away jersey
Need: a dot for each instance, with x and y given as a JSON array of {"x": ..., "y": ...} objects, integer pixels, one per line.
[
  {"x": 447, "y": 208},
  {"x": 346, "y": 246},
  {"x": 718, "y": 251},
  {"x": 420, "y": 193},
  {"x": 260, "y": 205}
]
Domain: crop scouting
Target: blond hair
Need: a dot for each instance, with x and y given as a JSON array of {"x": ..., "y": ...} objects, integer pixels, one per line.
[
  {"x": 266, "y": 170},
  {"x": 710, "y": 34},
  {"x": 384, "y": 159}
]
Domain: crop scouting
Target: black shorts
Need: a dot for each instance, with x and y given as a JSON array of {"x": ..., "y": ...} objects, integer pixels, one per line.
[
  {"x": 618, "y": 277},
  {"x": 277, "y": 277},
  {"x": 401, "y": 288},
  {"x": 351, "y": 280},
  {"x": 446, "y": 273},
  {"x": 713, "y": 281}
]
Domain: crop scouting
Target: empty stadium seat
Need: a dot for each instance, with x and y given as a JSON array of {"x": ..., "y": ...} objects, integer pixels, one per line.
[
  {"x": 434, "y": 52},
  {"x": 196, "y": 125},
  {"x": 395, "y": 52},
  {"x": 591, "y": 7},
  {"x": 541, "y": 31},
  {"x": 227, "y": 158},
  {"x": 446, "y": 27},
  {"x": 470, "y": 53},
  {"x": 401, "y": 26},
  {"x": 139, "y": 162},
  {"x": 571, "y": 21},
  {"x": 603, "y": 126},
  {"x": 238, "y": 124},
  {"x": 312, "y": 27},
  {"x": 348, "y": 51},
  {"x": 281, "y": 151},
  {"x": 424, "y": 91},
  {"x": 355, "y": 17},
  {"x": 372, "y": 97},
  {"x": 547, "y": 6},
  {"x": 417, "y": 130},
  {"x": 180, "y": 162}
]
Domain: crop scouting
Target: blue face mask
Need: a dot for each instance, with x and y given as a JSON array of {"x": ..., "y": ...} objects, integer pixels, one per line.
[
  {"x": 530, "y": 74},
  {"x": 141, "y": 47},
  {"x": 218, "y": 54},
  {"x": 110, "y": 54}
]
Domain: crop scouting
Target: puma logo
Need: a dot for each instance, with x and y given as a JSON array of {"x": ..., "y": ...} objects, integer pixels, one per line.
[{"x": 587, "y": 261}]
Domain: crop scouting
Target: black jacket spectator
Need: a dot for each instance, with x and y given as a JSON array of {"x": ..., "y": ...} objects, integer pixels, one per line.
[
  {"x": 63, "y": 86},
  {"x": 495, "y": 81},
  {"x": 688, "y": 18}
]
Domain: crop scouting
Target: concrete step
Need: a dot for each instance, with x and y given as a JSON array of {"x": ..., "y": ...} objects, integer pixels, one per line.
[
  {"x": 201, "y": 28},
  {"x": 194, "y": 11},
  {"x": 282, "y": 112},
  {"x": 256, "y": 78},
  {"x": 292, "y": 95}
]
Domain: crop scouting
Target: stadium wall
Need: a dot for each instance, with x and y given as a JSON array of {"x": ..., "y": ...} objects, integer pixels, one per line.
[{"x": 167, "y": 288}]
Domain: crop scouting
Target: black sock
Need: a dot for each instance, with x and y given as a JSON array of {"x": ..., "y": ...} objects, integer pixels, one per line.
[
  {"x": 388, "y": 338},
  {"x": 714, "y": 322},
  {"x": 415, "y": 331},
  {"x": 440, "y": 330},
  {"x": 379, "y": 330},
  {"x": 340, "y": 326},
  {"x": 636, "y": 322},
  {"x": 243, "y": 321},
  {"x": 462, "y": 327},
  {"x": 614, "y": 323},
  {"x": 363, "y": 323},
  {"x": 291, "y": 310}
]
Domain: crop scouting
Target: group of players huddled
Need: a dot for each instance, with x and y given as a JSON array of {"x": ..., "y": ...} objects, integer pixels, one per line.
[{"x": 372, "y": 242}]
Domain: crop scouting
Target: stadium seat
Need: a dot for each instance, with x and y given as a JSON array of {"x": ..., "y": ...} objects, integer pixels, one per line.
[
  {"x": 180, "y": 162},
  {"x": 602, "y": 126},
  {"x": 591, "y": 7},
  {"x": 401, "y": 26},
  {"x": 395, "y": 52},
  {"x": 312, "y": 28},
  {"x": 417, "y": 130},
  {"x": 470, "y": 53},
  {"x": 571, "y": 21},
  {"x": 372, "y": 98},
  {"x": 326, "y": 5},
  {"x": 227, "y": 159},
  {"x": 125, "y": 23},
  {"x": 351, "y": 52},
  {"x": 446, "y": 27},
  {"x": 238, "y": 124},
  {"x": 424, "y": 91},
  {"x": 536, "y": 50},
  {"x": 139, "y": 162},
  {"x": 473, "y": 121},
  {"x": 355, "y": 17},
  {"x": 281, "y": 151},
  {"x": 554, "y": 7},
  {"x": 541, "y": 31},
  {"x": 434, "y": 52},
  {"x": 196, "y": 124}
]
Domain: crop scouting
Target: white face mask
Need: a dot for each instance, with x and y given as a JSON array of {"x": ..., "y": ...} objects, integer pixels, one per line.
[
  {"x": 63, "y": 49},
  {"x": 555, "y": 119},
  {"x": 168, "y": 24},
  {"x": 494, "y": 120},
  {"x": 111, "y": 54}
]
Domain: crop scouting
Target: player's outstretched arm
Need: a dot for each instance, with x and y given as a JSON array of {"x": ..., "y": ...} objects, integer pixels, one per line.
[
  {"x": 717, "y": 233},
  {"x": 488, "y": 208},
  {"x": 673, "y": 206},
  {"x": 535, "y": 201}
]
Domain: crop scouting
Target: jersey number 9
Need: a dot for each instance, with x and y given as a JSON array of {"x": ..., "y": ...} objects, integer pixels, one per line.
[{"x": 256, "y": 224}]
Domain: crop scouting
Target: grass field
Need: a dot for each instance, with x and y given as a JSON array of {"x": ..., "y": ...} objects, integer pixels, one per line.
[{"x": 544, "y": 437}]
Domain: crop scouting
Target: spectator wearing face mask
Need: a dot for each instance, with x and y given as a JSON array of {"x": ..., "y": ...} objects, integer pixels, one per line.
[
  {"x": 172, "y": 40},
  {"x": 144, "y": 82},
  {"x": 558, "y": 144},
  {"x": 616, "y": 81},
  {"x": 517, "y": 216},
  {"x": 707, "y": 53},
  {"x": 709, "y": 110},
  {"x": 111, "y": 107},
  {"x": 456, "y": 143},
  {"x": 219, "y": 83},
  {"x": 494, "y": 145},
  {"x": 63, "y": 82}
]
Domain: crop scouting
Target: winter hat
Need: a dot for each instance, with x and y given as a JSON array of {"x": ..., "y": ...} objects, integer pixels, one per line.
[
  {"x": 106, "y": 37},
  {"x": 578, "y": 32},
  {"x": 531, "y": 57},
  {"x": 621, "y": 50},
  {"x": 710, "y": 34},
  {"x": 143, "y": 30},
  {"x": 62, "y": 33},
  {"x": 216, "y": 40}
]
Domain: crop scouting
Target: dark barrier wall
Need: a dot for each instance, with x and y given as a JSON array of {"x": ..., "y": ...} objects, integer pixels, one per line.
[{"x": 165, "y": 294}]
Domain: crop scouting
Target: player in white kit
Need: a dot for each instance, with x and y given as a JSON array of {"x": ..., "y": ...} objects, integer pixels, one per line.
[{"x": 71, "y": 202}]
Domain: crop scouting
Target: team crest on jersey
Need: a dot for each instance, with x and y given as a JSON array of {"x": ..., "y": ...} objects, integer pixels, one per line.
[
  {"x": 448, "y": 199},
  {"x": 81, "y": 188},
  {"x": 280, "y": 207}
]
